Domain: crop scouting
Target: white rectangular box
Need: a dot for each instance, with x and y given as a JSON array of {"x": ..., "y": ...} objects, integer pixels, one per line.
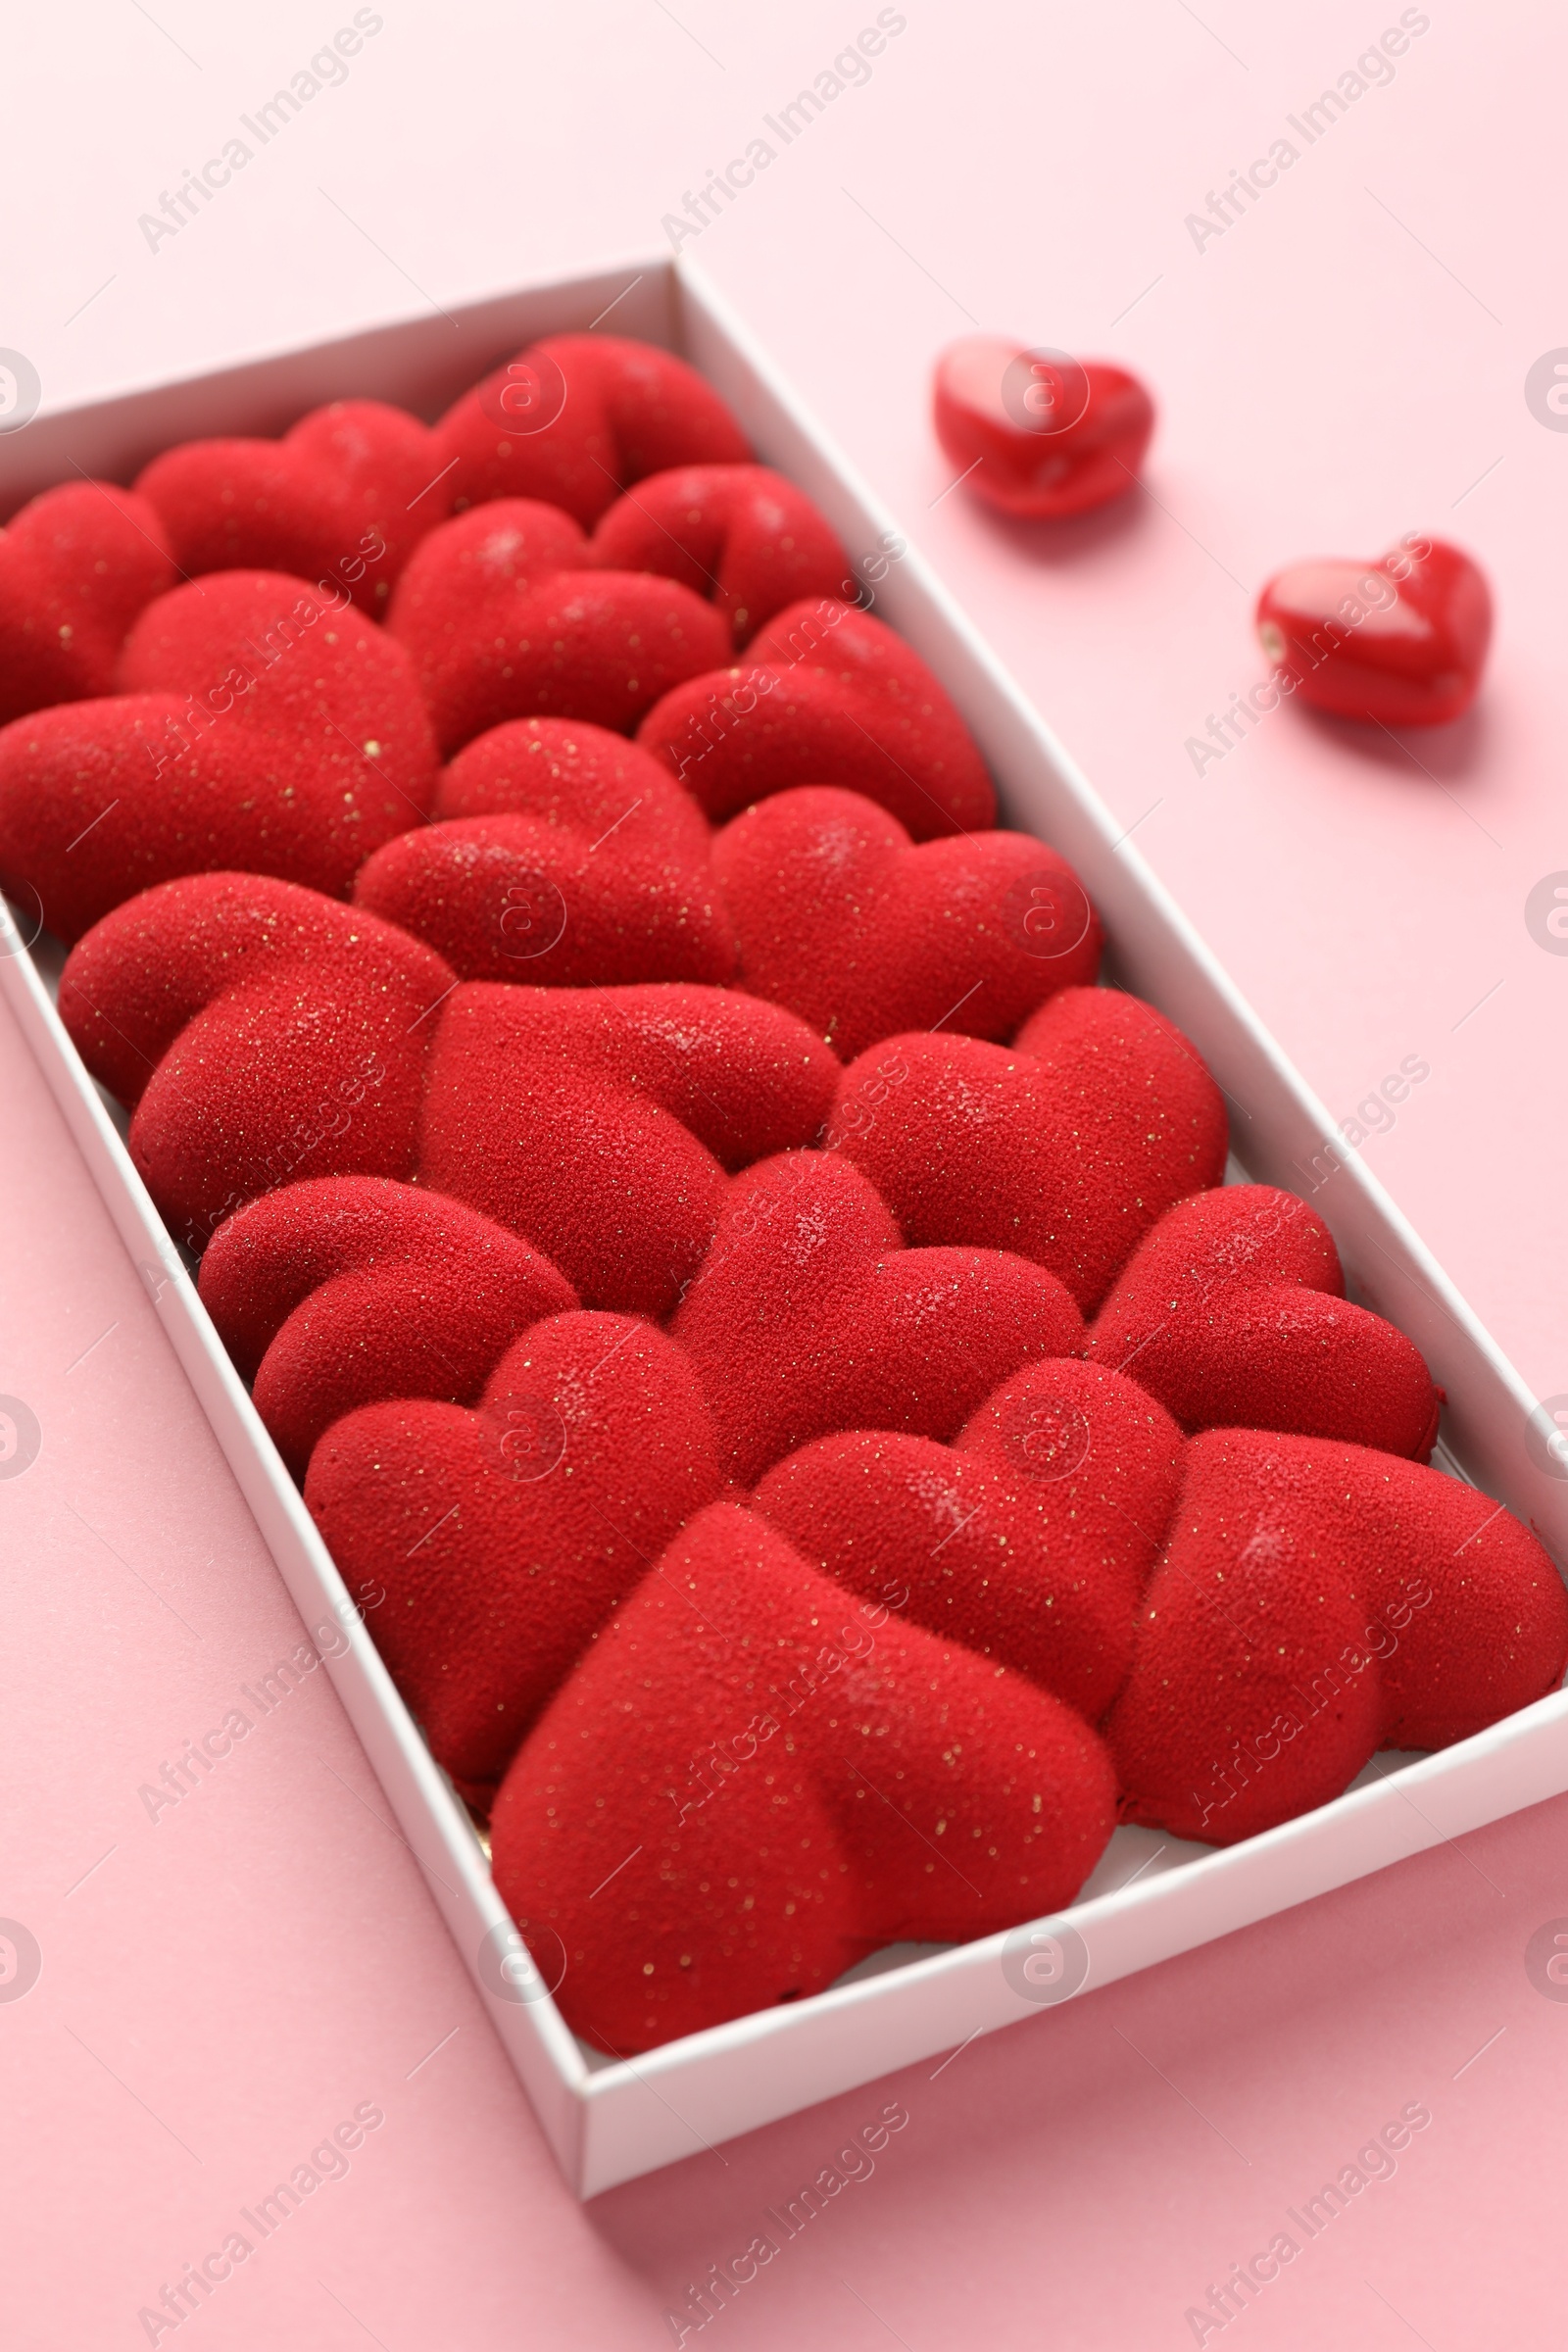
[{"x": 610, "y": 2121}]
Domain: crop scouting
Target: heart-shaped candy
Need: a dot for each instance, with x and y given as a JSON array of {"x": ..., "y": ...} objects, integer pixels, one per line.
[
  {"x": 569, "y": 859},
  {"x": 778, "y": 1781},
  {"x": 76, "y": 565},
  {"x": 1037, "y": 432},
  {"x": 1314, "y": 1602},
  {"x": 1064, "y": 1147},
  {"x": 341, "y": 501},
  {"x": 260, "y": 727},
  {"x": 740, "y": 534},
  {"x": 576, "y": 419},
  {"x": 504, "y": 1535},
  {"x": 503, "y": 617},
  {"x": 347, "y": 1290},
  {"x": 829, "y": 696},
  {"x": 265, "y": 1035},
  {"x": 1232, "y": 1310},
  {"x": 258, "y": 1034},
  {"x": 841, "y": 917},
  {"x": 1402, "y": 642},
  {"x": 809, "y": 1315},
  {"x": 599, "y": 1122},
  {"x": 1030, "y": 1543}
]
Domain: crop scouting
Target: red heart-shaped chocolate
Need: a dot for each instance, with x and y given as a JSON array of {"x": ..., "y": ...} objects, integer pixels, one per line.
[
  {"x": 504, "y": 1537},
  {"x": 784, "y": 1782},
  {"x": 347, "y": 1290},
  {"x": 599, "y": 1122},
  {"x": 830, "y": 696},
  {"x": 1232, "y": 1310},
  {"x": 841, "y": 917},
  {"x": 76, "y": 565},
  {"x": 341, "y": 501},
  {"x": 809, "y": 1315},
  {"x": 259, "y": 727},
  {"x": 504, "y": 617},
  {"x": 576, "y": 419},
  {"x": 1064, "y": 1147},
  {"x": 1030, "y": 1543},
  {"x": 569, "y": 859},
  {"x": 258, "y": 1034},
  {"x": 1314, "y": 1602},
  {"x": 1037, "y": 432},
  {"x": 265, "y": 1035},
  {"x": 740, "y": 534},
  {"x": 1402, "y": 641}
]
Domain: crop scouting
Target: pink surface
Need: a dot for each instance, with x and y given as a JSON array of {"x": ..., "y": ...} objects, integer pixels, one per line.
[{"x": 222, "y": 1986}]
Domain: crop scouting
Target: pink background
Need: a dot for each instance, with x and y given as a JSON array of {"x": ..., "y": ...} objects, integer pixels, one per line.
[{"x": 1346, "y": 362}]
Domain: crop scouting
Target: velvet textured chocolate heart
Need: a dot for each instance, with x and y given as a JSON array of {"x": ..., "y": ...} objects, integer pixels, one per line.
[
  {"x": 344, "y": 498},
  {"x": 76, "y": 565},
  {"x": 785, "y": 1781},
  {"x": 809, "y": 1315},
  {"x": 828, "y": 695},
  {"x": 265, "y": 1035},
  {"x": 1065, "y": 1147},
  {"x": 344, "y": 1290},
  {"x": 740, "y": 534},
  {"x": 504, "y": 617},
  {"x": 504, "y": 1535},
  {"x": 840, "y": 916},
  {"x": 1029, "y": 1541},
  {"x": 259, "y": 728},
  {"x": 1314, "y": 1604},
  {"x": 1233, "y": 1310},
  {"x": 574, "y": 419},
  {"x": 601, "y": 1123},
  {"x": 568, "y": 858}
]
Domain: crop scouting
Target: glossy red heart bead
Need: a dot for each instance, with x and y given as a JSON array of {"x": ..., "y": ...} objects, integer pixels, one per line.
[
  {"x": 1040, "y": 434},
  {"x": 1401, "y": 640}
]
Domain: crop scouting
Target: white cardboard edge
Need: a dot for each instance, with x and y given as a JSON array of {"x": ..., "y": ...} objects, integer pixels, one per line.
[{"x": 612, "y": 2123}]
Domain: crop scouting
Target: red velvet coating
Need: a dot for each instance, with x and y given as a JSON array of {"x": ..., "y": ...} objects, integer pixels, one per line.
[
  {"x": 347, "y": 1290},
  {"x": 601, "y": 1125},
  {"x": 842, "y": 918},
  {"x": 76, "y": 565},
  {"x": 265, "y": 1035},
  {"x": 504, "y": 617},
  {"x": 1065, "y": 1147},
  {"x": 504, "y": 1535},
  {"x": 1029, "y": 1544},
  {"x": 569, "y": 859},
  {"x": 1231, "y": 1310},
  {"x": 344, "y": 497},
  {"x": 784, "y": 1780},
  {"x": 809, "y": 1315},
  {"x": 260, "y": 727},
  {"x": 260, "y": 1033},
  {"x": 829, "y": 696},
  {"x": 1314, "y": 1602},
  {"x": 742, "y": 535},
  {"x": 577, "y": 418}
]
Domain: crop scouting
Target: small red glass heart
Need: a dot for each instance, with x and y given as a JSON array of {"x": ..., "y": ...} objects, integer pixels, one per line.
[
  {"x": 1401, "y": 640},
  {"x": 1040, "y": 432}
]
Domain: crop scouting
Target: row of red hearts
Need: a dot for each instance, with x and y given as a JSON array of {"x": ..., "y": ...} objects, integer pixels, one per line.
[
  {"x": 979, "y": 1202},
  {"x": 576, "y": 419}
]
